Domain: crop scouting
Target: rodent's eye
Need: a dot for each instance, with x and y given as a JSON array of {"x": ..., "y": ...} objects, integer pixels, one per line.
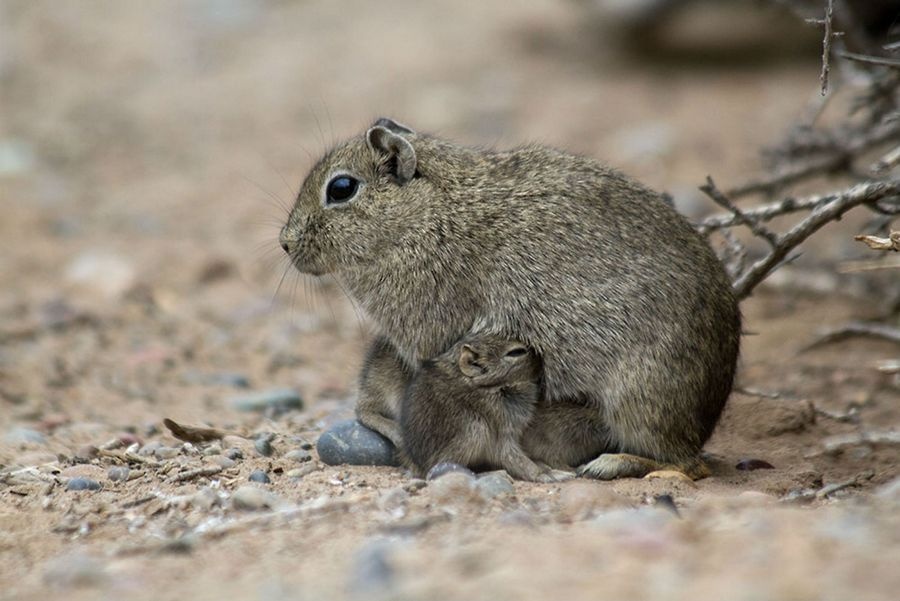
[
  {"x": 516, "y": 352},
  {"x": 341, "y": 189}
]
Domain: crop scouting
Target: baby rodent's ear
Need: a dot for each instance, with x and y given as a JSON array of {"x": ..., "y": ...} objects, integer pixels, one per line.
[
  {"x": 401, "y": 154},
  {"x": 468, "y": 362}
]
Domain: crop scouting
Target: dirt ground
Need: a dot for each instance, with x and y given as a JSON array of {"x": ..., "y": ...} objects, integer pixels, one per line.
[{"x": 148, "y": 155}]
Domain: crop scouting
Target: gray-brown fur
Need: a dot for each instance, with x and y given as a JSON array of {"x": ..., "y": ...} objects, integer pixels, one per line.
[
  {"x": 627, "y": 304},
  {"x": 471, "y": 405}
]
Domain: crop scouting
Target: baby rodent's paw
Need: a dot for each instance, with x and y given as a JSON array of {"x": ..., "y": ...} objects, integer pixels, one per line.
[{"x": 610, "y": 466}]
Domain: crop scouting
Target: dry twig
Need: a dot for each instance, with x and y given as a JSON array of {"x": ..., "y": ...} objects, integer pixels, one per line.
[
  {"x": 856, "y": 329},
  {"x": 891, "y": 243}
]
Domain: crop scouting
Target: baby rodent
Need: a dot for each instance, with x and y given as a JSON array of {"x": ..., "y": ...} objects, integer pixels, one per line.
[
  {"x": 471, "y": 405},
  {"x": 626, "y": 303}
]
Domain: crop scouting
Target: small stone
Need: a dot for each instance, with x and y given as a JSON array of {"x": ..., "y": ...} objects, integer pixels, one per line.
[
  {"x": 299, "y": 472},
  {"x": 349, "y": 442},
  {"x": 251, "y": 497},
  {"x": 371, "y": 570},
  {"x": 150, "y": 448},
  {"x": 234, "y": 454},
  {"x": 263, "y": 447},
  {"x": 107, "y": 273},
  {"x": 439, "y": 469},
  {"x": 19, "y": 435},
  {"x": 453, "y": 487},
  {"x": 494, "y": 484},
  {"x": 259, "y": 476},
  {"x": 668, "y": 503},
  {"x": 213, "y": 449},
  {"x": 298, "y": 455},
  {"x": 118, "y": 473},
  {"x": 83, "y": 484},
  {"x": 271, "y": 402},
  {"x": 166, "y": 452},
  {"x": 223, "y": 461},
  {"x": 748, "y": 465}
]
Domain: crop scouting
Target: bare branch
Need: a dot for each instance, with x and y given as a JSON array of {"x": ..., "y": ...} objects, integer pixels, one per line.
[
  {"x": 871, "y": 60},
  {"x": 722, "y": 200},
  {"x": 831, "y": 208},
  {"x": 856, "y": 329},
  {"x": 826, "y": 47}
]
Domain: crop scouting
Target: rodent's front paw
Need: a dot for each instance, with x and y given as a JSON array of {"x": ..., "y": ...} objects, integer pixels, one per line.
[{"x": 555, "y": 476}]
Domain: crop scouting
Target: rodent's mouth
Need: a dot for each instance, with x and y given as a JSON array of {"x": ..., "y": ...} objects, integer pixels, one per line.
[{"x": 308, "y": 267}]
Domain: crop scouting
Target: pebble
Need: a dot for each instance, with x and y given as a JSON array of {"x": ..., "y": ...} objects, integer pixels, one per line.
[
  {"x": 166, "y": 452},
  {"x": 223, "y": 461},
  {"x": 213, "y": 449},
  {"x": 259, "y": 476},
  {"x": 272, "y": 402},
  {"x": 494, "y": 484},
  {"x": 370, "y": 569},
  {"x": 453, "y": 487},
  {"x": 349, "y": 442},
  {"x": 118, "y": 473},
  {"x": 298, "y": 455},
  {"x": 263, "y": 446},
  {"x": 104, "y": 272},
  {"x": 234, "y": 454},
  {"x": 18, "y": 435},
  {"x": 150, "y": 448},
  {"x": 83, "y": 484},
  {"x": 299, "y": 472},
  {"x": 748, "y": 465},
  {"x": 251, "y": 497},
  {"x": 440, "y": 469}
]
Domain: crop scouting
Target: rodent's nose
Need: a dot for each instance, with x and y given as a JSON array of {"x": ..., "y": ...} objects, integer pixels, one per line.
[{"x": 285, "y": 247}]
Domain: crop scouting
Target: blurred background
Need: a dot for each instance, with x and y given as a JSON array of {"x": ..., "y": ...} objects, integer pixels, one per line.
[{"x": 150, "y": 152}]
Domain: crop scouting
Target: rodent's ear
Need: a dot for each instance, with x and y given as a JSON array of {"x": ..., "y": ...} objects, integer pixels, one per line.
[
  {"x": 397, "y": 128},
  {"x": 468, "y": 362},
  {"x": 401, "y": 154}
]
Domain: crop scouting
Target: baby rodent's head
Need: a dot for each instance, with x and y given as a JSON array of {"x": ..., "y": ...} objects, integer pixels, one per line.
[
  {"x": 358, "y": 202},
  {"x": 494, "y": 361}
]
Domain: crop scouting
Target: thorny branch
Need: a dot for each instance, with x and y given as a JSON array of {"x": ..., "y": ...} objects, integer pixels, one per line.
[{"x": 810, "y": 151}]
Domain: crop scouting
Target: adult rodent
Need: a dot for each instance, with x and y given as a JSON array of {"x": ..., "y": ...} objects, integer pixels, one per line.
[
  {"x": 471, "y": 405},
  {"x": 627, "y": 304}
]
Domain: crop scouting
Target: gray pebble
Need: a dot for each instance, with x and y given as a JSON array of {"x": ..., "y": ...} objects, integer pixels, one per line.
[
  {"x": 299, "y": 472},
  {"x": 349, "y": 442},
  {"x": 453, "y": 487},
  {"x": 150, "y": 448},
  {"x": 445, "y": 467},
  {"x": 83, "y": 484},
  {"x": 272, "y": 402},
  {"x": 298, "y": 455},
  {"x": 166, "y": 452},
  {"x": 213, "y": 449},
  {"x": 371, "y": 570},
  {"x": 259, "y": 476},
  {"x": 251, "y": 497},
  {"x": 118, "y": 473},
  {"x": 263, "y": 447},
  {"x": 223, "y": 461},
  {"x": 234, "y": 454},
  {"x": 494, "y": 484},
  {"x": 18, "y": 435}
]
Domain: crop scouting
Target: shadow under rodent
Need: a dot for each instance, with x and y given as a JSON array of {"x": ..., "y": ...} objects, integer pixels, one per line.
[{"x": 626, "y": 303}]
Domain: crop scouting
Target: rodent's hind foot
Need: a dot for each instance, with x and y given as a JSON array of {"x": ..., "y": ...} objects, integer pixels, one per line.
[{"x": 610, "y": 466}]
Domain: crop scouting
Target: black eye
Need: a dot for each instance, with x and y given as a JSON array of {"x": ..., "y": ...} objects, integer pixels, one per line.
[
  {"x": 341, "y": 189},
  {"x": 516, "y": 352}
]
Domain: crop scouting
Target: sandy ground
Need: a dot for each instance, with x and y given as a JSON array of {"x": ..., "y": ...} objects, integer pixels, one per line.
[{"x": 148, "y": 154}]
